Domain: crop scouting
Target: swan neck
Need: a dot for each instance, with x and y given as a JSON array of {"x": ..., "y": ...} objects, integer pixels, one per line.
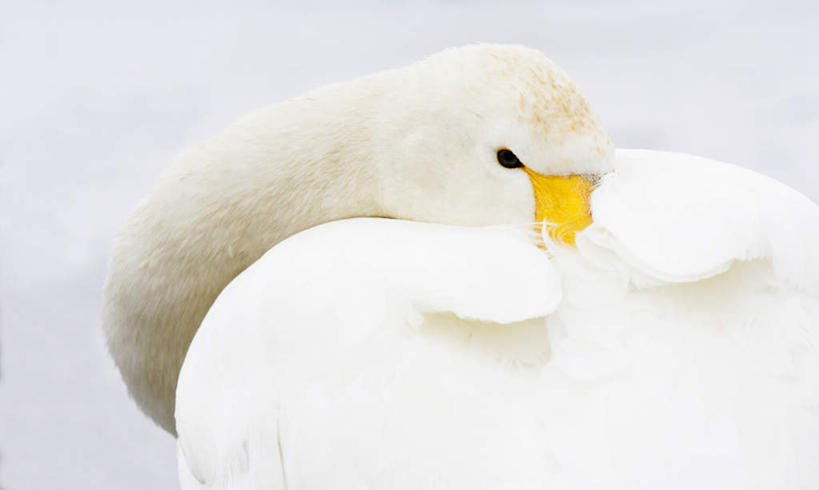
[{"x": 213, "y": 213}]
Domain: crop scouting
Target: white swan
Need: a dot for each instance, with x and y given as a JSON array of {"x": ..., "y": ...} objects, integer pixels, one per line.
[{"x": 678, "y": 349}]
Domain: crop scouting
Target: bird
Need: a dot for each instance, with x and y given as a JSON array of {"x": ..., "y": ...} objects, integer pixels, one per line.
[{"x": 444, "y": 276}]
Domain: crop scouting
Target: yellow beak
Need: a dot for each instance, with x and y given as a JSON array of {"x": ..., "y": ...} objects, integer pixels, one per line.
[{"x": 562, "y": 202}]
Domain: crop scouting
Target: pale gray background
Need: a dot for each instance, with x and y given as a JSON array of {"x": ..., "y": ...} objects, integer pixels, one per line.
[{"x": 96, "y": 97}]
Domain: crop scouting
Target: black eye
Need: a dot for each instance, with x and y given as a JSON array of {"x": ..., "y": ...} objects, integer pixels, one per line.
[{"x": 508, "y": 159}]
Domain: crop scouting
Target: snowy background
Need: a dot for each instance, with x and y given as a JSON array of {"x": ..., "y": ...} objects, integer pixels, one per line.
[{"x": 96, "y": 97}]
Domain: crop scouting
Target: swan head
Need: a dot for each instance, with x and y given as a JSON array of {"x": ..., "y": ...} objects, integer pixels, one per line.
[
  {"x": 486, "y": 135},
  {"x": 479, "y": 135}
]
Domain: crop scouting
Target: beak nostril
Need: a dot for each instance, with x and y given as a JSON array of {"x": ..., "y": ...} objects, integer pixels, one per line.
[{"x": 593, "y": 179}]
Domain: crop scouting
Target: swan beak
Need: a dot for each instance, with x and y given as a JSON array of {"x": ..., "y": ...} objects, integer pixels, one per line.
[{"x": 562, "y": 204}]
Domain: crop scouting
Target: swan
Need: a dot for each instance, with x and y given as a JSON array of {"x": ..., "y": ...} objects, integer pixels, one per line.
[{"x": 669, "y": 342}]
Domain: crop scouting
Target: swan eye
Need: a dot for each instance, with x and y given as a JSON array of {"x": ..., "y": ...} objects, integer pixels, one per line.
[{"x": 508, "y": 159}]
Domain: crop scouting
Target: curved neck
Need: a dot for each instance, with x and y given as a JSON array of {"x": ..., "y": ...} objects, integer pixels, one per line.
[{"x": 216, "y": 210}]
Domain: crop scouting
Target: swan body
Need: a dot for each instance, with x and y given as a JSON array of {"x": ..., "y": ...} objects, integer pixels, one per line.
[{"x": 674, "y": 347}]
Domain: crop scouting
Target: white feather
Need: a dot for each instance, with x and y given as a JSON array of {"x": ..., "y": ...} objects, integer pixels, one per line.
[{"x": 676, "y": 347}]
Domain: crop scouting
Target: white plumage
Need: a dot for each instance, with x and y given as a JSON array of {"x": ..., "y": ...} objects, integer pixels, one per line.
[
  {"x": 676, "y": 347},
  {"x": 417, "y": 143}
]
